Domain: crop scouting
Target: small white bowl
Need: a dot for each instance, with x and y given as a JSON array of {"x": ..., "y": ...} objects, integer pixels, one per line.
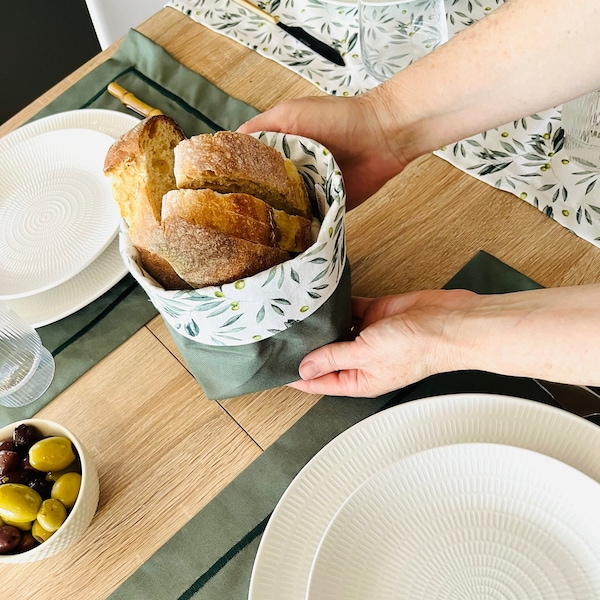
[{"x": 82, "y": 512}]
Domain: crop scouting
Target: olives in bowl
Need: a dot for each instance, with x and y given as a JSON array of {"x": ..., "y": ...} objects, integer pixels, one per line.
[{"x": 48, "y": 490}]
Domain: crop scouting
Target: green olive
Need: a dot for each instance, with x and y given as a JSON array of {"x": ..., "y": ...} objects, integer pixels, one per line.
[
  {"x": 52, "y": 514},
  {"x": 66, "y": 489},
  {"x": 54, "y": 475},
  {"x": 18, "y": 502},
  {"x": 39, "y": 533},
  {"x": 51, "y": 454},
  {"x": 26, "y": 526}
]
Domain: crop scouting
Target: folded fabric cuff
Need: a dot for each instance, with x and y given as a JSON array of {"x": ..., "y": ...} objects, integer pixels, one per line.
[{"x": 228, "y": 371}]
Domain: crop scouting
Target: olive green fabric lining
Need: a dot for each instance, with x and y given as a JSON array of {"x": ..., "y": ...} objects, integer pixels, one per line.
[
  {"x": 211, "y": 557},
  {"x": 227, "y": 371},
  {"x": 79, "y": 341}
]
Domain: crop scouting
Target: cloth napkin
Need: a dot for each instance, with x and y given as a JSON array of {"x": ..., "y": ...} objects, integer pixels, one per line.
[
  {"x": 79, "y": 341},
  {"x": 335, "y": 23},
  {"x": 211, "y": 557},
  {"x": 526, "y": 157}
]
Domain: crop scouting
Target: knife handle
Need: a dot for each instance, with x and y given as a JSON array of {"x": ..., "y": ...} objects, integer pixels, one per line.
[
  {"x": 131, "y": 101},
  {"x": 258, "y": 11},
  {"x": 577, "y": 399}
]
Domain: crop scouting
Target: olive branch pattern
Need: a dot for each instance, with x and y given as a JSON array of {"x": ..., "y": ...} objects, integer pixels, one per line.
[
  {"x": 255, "y": 308},
  {"x": 336, "y": 24},
  {"x": 527, "y": 158}
]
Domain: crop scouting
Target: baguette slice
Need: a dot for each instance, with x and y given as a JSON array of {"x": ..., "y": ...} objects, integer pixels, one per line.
[
  {"x": 239, "y": 215},
  {"x": 202, "y": 256},
  {"x": 235, "y": 162},
  {"x": 140, "y": 164}
]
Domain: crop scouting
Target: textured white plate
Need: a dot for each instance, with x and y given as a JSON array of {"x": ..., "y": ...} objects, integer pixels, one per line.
[
  {"x": 290, "y": 541},
  {"x": 63, "y": 300},
  {"x": 466, "y": 521},
  {"x": 108, "y": 268},
  {"x": 57, "y": 214}
]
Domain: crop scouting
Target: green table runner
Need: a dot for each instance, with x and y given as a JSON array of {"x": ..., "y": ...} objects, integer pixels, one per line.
[
  {"x": 79, "y": 341},
  {"x": 211, "y": 557}
]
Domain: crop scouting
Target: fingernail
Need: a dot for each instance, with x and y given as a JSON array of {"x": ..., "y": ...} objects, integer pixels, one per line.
[{"x": 309, "y": 370}]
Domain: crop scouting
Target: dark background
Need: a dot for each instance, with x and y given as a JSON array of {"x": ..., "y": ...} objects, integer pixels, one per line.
[{"x": 41, "y": 42}]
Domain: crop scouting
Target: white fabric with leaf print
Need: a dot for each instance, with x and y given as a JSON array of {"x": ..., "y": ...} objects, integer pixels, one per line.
[
  {"x": 525, "y": 158},
  {"x": 258, "y": 307}
]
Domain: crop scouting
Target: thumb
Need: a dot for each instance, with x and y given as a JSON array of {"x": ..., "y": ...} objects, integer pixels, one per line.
[
  {"x": 339, "y": 356},
  {"x": 251, "y": 125}
]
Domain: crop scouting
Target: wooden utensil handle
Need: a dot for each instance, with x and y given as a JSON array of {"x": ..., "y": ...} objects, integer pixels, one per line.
[
  {"x": 131, "y": 101},
  {"x": 258, "y": 11}
]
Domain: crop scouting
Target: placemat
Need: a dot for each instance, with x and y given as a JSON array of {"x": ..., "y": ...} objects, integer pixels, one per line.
[
  {"x": 79, "y": 341},
  {"x": 211, "y": 557},
  {"x": 526, "y": 157}
]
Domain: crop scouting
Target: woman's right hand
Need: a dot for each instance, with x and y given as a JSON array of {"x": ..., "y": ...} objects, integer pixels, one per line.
[{"x": 353, "y": 129}]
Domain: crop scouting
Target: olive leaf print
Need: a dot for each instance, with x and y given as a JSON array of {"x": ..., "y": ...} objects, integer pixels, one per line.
[
  {"x": 528, "y": 159},
  {"x": 335, "y": 23}
]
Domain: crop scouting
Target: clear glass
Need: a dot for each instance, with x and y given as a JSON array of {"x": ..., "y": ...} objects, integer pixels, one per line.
[
  {"x": 581, "y": 123},
  {"x": 26, "y": 367},
  {"x": 395, "y": 34}
]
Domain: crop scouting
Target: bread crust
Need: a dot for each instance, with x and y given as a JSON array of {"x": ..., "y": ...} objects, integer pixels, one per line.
[
  {"x": 234, "y": 162},
  {"x": 205, "y": 257},
  {"x": 200, "y": 237},
  {"x": 140, "y": 164},
  {"x": 238, "y": 215}
]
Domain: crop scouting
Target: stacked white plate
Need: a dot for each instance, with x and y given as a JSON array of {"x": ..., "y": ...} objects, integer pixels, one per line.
[
  {"x": 468, "y": 496},
  {"x": 58, "y": 221}
]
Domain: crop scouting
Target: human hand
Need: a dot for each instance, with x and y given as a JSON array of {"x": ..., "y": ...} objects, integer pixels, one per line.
[
  {"x": 351, "y": 128},
  {"x": 401, "y": 339}
]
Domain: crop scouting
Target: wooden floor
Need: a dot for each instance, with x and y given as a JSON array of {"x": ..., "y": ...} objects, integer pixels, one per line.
[{"x": 28, "y": 27}]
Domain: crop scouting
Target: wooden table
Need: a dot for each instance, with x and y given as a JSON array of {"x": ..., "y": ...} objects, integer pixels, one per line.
[{"x": 146, "y": 452}]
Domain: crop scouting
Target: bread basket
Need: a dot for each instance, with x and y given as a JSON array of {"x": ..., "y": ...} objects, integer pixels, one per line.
[{"x": 258, "y": 329}]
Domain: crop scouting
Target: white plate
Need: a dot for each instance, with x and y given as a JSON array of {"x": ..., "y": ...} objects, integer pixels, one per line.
[
  {"x": 104, "y": 272},
  {"x": 63, "y": 300},
  {"x": 288, "y": 546},
  {"x": 464, "y": 521},
  {"x": 57, "y": 213}
]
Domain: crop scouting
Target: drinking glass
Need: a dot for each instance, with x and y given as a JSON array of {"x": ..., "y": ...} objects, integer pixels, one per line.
[
  {"x": 26, "y": 367},
  {"x": 394, "y": 34},
  {"x": 581, "y": 123}
]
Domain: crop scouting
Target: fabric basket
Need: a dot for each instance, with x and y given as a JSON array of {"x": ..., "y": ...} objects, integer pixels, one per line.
[{"x": 251, "y": 334}]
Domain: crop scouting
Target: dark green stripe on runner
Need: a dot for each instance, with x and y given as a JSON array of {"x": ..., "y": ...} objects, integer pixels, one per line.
[
  {"x": 95, "y": 320},
  {"x": 222, "y": 562},
  {"x": 163, "y": 91}
]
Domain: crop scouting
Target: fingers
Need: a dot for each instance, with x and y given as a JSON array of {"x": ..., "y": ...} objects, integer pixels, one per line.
[
  {"x": 261, "y": 122},
  {"x": 360, "y": 305},
  {"x": 343, "y": 383},
  {"x": 335, "y": 370},
  {"x": 328, "y": 359},
  {"x": 371, "y": 310}
]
